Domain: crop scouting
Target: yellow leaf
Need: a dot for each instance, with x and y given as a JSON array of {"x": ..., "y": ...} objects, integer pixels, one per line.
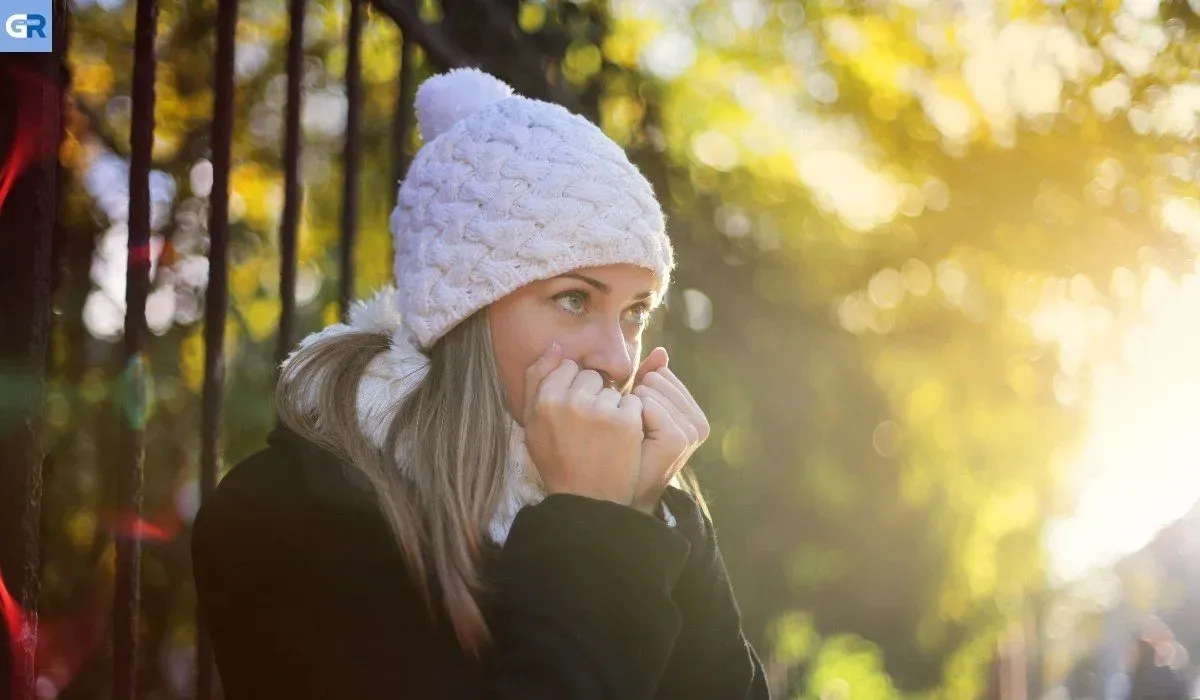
[
  {"x": 92, "y": 80},
  {"x": 532, "y": 17},
  {"x": 582, "y": 61},
  {"x": 261, "y": 316},
  {"x": 191, "y": 361},
  {"x": 332, "y": 313}
]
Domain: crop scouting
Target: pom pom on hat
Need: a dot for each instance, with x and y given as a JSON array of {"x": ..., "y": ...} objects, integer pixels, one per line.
[{"x": 445, "y": 99}]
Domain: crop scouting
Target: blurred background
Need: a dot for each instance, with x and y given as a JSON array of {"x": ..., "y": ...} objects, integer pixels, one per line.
[{"x": 937, "y": 293}]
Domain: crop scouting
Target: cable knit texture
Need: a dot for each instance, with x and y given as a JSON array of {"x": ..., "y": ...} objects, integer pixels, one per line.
[{"x": 508, "y": 190}]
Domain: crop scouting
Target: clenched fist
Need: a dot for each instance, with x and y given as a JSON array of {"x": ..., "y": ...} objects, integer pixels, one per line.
[
  {"x": 674, "y": 427},
  {"x": 584, "y": 438}
]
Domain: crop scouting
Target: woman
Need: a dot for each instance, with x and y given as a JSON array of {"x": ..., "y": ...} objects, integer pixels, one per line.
[{"x": 396, "y": 540}]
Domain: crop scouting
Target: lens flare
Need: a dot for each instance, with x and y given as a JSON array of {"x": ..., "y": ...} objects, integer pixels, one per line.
[
  {"x": 63, "y": 642},
  {"x": 163, "y": 527},
  {"x": 19, "y": 627},
  {"x": 30, "y": 141}
]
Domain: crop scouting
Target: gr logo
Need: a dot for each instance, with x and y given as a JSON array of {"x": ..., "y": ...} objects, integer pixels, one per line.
[
  {"x": 25, "y": 26},
  {"x": 28, "y": 26}
]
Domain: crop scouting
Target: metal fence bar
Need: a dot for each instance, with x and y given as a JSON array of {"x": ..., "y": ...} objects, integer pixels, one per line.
[
  {"x": 216, "y": 298},
  {"x": 291, "y": 183},
  {"x": 131, "y": 394},
  {"x": 350, "y": 157},
  {"x": 402, "y": 119}
]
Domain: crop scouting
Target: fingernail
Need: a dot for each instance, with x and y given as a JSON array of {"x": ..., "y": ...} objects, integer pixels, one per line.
[{"x": 554, "y": 347}]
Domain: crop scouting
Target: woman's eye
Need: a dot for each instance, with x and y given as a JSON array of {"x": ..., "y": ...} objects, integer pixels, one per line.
[
  {"x": 572, "y": 301},
  {"x": 640, "y": 314}
]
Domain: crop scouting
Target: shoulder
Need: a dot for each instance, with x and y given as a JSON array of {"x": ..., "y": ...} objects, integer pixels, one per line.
[{"x": 292, "y": 495}]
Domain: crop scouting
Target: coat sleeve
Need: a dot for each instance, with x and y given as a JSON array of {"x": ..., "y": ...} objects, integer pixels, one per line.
[
  {"x": 711, "y": 659},
  {"x": 303, "y": 600}
]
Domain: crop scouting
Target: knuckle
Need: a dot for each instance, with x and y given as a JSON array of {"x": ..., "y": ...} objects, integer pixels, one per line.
[{"x": 587, "y": 376}]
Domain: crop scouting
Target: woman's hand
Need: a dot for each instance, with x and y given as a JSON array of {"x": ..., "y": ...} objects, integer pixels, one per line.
[
  {"x": 674, "y": 427},
  {"x": 584, "y": 438}
]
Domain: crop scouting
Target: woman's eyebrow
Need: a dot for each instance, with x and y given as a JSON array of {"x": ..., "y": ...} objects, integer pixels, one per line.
[{"x": 602, "y": 286}]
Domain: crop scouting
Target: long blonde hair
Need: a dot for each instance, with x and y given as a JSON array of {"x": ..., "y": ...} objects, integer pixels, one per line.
[{"x": 455, "y": 424}]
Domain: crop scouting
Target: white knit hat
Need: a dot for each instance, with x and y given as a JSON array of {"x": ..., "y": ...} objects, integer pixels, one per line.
[{"x": 509, "y": 190}]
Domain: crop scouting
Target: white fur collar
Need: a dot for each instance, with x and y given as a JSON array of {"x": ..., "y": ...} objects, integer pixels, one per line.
[{"x": 398, "y": 371}]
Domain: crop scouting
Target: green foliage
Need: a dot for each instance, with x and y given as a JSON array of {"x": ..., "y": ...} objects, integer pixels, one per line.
[{"x": 850, "y": 668}]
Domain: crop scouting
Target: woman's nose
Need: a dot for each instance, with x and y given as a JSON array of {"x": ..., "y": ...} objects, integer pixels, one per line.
[{"x": 610, "y": 357}]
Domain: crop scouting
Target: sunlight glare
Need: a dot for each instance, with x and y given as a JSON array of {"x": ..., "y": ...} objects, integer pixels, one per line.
[{"x": 1139, "y": 467}]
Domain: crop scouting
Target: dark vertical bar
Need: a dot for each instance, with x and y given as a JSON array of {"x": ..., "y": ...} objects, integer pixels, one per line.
[
  {"x": 131, "y": 393},
  {"x": 402, "y": 118},
  {"x": 291, "y": 183},
  {"x": 350, "y": 157},
  {"x": 216, "y": 298},
  {"x": 31, "y": 131}
]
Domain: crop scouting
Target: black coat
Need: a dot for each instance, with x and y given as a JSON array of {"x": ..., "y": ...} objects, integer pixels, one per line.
[{"x": 304, "y": 594}]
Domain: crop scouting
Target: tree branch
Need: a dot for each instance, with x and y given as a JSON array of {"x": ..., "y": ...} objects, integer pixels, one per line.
[
  {"x": 440, "y": 49},
  {"x": 534, "y": 60}
]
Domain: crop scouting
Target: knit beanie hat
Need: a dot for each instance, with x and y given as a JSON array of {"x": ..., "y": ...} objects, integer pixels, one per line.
[{"x": 508, "y": 190}]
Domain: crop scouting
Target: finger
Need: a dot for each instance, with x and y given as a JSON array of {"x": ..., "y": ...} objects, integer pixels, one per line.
[
  {"x": 656, "y": 413},
  {"x": 631, "y": 407},
  {"x": 666, "y": 381},
  {"x": 659, "y": 382},
  {"x": 656, "y": 359},
  {"x": 608, "y": 399},
  {"x": 675, "y": 381},
  {"x": 536, "y": 372},
  {"x": 661, "y": 416},
  {"x": 555, "y": 385},
  {"x": 655, "y": 416},
  {"x": 585, "y": 386}
]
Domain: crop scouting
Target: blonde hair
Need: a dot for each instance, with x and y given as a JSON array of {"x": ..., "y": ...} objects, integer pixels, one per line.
[{"x": 455, "y": 424}]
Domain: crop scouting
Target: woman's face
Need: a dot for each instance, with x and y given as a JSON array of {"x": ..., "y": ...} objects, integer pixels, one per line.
[{"x": 597, "y": 314}]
